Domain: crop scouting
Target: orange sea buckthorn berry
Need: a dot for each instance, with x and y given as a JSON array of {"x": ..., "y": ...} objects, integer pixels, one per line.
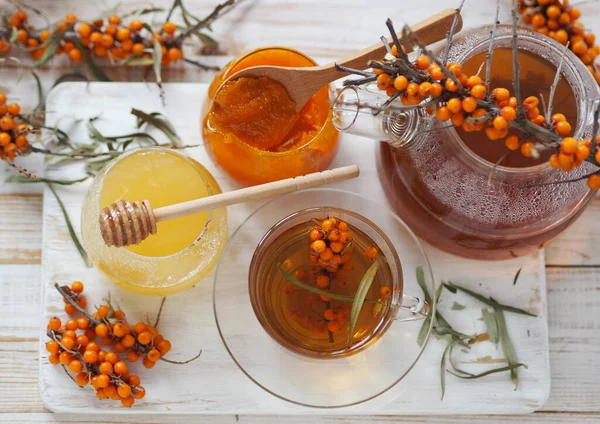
[
  {"x": 532, "y": 101},
  {"x": 102, "y": 381},
  {"x": 128, "y": 341},
  {"x": 71, "y": 324},
  {"x": 478, "y": 91},
  {"x": 70, "y": 18},
  {"x": 5, "y": 139},
  {"x": 128, "y": 401},
  {"x": 561, "y": 36},
  {"x": 436, "y": 89},
  {"x": 412, "y": 89},
  {"x": 436, "y": 72},
  {"x": 52, "y": 346},
  {"x": 500, "y": 123},
  {"x": 110, "y": 392},
  {"x": 508, "y": 113},
  {"x": 169, "y": 27},
  {"x": 593, "y": 182},
  {"x": 123, "y": 34},
  {"x": 22, "y": 36},
  {"x": 140, "y": 327},
  {"x": 582, "y": 153},
  {"x": 316, "y": 234},
  {"x": 553, "y": 12},
  {"x": 133, "y": 356},
  {"x": 75, "y": 366},
  {"x": 318, "y": 246},
  {"x": 7, "y": 123},
  {"x": 114, "y": 20},
  {"x": 500, "y": 94},
  {"x": 120, "y": 368},
  {"x": 111, "y": 357},
  {"x": 474, "y": 80},
  {"x": 75, "y": 55},
  {"x": 383, "y": 81},
  {"x": 326, "y": 255},
  {"x": 70, "y": 334},
  {"x": 422, "y": 63},
  {"x": 538, "y": 20},
  {"x": 454, "y": 105},
  {"x": 455, "y": 68},
  {"x": 148, "y": 363},
  {"x": 565, "y": 160},
  {"x": 120, "y": 329},
  {"x": 84, "y": 29},
  {"x": 2, "y": 98},
  {"x": 590, "y": 39},
  {"x": 532, "y": 112},
  {"x": 333, "y": 326},
  {"x": 164, "y": 347},
  {"x": 450, "y": 85},
  {"x": 54, "y": 323},
  {"x": 400, "y": 82},
  {"x": 153, "y": 355},
  {"x": 569, "y": 145},
  {"x": 96, "y": 37},
  {"x": 133, "y": 380},
  {"x": 107, "y": 40},
  {"x": 21, "y": 15},
  {"x": 469, "y": 104},
  {"x": 384, "y": 291},
  {"x": 101, "y": 330},
  {"x": 90, "y": 356},
  {"x": 124, "y": 390},
  {"x": 558, "y": 117},
  {"x": 563, "y": 128},
  {"x": 443, "y": 113},
  {"x": 77, "y": 286},
  {"x": 527, "y": 149},
  {"x": 371, "y": 252},
  {"x": 554, "y": 162},
  {"x": 425, "y": 89},
  {"x": 110, "y": 30},
  {"x": 82, "y": 379},
  {"x": 83, "y": 323},
  {"x": 146, "y": 337},
  {"x": 574, "y": 13},
  {"x": 174, "y": 54},
  {"x": 492, "y": 133},
  {"x": 336, "y": 246},
  {"x": 458, "y": 119},
  {"x": 322, "y": 281},
  {"x": 54, "y": 358},
  {"x": 93, "y": 346},
  {"x": 330, "y": 314},
  {"x": 100, "y": 51},
  {"x": 327, "y": 225},
  {"x": 82, "y": 340},
  {"x": 65, "y": 358}
]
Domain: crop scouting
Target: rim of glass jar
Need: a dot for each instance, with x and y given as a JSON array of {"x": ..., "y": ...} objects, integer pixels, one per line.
[
  {"x": 188, "y": 160},
  {"x": 281, "y": 226},
  {"x": 528, "y": 36},
  {"x": 331, "y": 90},
  {"x": 429, "y": 272}
]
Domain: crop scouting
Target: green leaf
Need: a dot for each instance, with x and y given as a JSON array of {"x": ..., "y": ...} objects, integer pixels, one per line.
[
  {"x": 52, "y": 44},
  {"x": 491, "y": 324},
  {"x": 13, "y": 35},
  {"x": 507, "y": 346},
  {"x": 491, "y": 302},
  {"x": 24, "y": 179},
  {"x": 443, "y": 366},
  {"x": 427, "y": 321},
  {"x": 159, "y": 122},
  {"x": 40, "y": 92},
  {"x": 315, "y": 290},
  {"x": 359, "y": 298},
  {"x": 457, "y": 306},
  {"x": 70, "y": 76},
  {"x": 74, "y": 237},
  {"x": 138, "y": 61},
  {"x": 142, "y": 11},
  {"x": 100, "y": 76},
  {"x": 517, "y": 276},
  {"x": 469, "y": 376}
]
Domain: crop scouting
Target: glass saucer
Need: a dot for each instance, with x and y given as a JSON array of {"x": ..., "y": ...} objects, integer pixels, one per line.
[{"x": 314, "y": 382}]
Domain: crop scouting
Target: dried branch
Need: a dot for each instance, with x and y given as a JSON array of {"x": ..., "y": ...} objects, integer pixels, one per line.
[
  {"x": 516, "y": 65},
  {"x": 360, "y": 81},
  {"x": 595, "y": 129},
  {"x": 396, "y": 41},
  {"x": 182, "y": 362},
  {"x": 450, "y": 34},
  {"x": 162, "y": 303},
  {"x": 204, "y": 23},
  {"x": 555, "y": 85},
  {"x": 491, "y": 49},
  {"x": 342, "y": 68},
  {"x": 201, "y": 65}
]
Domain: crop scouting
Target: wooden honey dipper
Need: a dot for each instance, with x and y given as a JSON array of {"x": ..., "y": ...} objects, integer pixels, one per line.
[{"x": 125, "y": 223}]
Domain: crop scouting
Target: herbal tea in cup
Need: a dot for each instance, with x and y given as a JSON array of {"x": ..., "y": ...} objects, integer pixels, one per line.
[{"x": 327, "y": 282}]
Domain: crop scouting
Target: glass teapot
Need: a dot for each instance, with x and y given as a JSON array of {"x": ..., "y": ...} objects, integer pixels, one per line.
[{"x": 451, "y": 196}]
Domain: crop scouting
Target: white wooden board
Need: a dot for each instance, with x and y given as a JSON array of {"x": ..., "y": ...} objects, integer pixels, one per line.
[{"x": 213, "y": 384}]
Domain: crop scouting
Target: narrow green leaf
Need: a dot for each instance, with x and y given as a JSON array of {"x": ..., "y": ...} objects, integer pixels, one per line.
[
  {"x": 517, "y": 276},
  {"x": 469, "y": 376},
  {"x": 488, "y": 301},
  {"x": 24, "y": 179},
  {"x": 52, "y": 44},
  {"x": 74, "y": 237},
  {"x": 443, "y": 366},
  {"x": 457, "y": 306},
  {"x": 422, "y": 284},
  {"x": 100, "y": 76},
  {"x": 143, "y": 11},
  {"x": 139, "y": 61},
  {"x": 507, "y": 346},
  {"x": 427, "y": 321},
  {"x": 69, "y": 77},
  {"x": 40, "y": 92},
  {"x": 359, "y": 298},
  {"x": 13, "y": 35},
  {"x": 491, "y": 325},
  {"x": 159, "y": 122},
  {"x": 315, "y": 290}
]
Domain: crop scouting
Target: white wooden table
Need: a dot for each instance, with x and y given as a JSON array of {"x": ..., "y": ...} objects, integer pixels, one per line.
[{"x": 321, "y": 28}]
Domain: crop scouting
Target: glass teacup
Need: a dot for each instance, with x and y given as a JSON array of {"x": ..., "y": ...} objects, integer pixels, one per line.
[{"x": 288, "y": 360}]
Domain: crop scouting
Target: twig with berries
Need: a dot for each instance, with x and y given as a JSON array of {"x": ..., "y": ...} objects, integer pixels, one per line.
[
  {"x": 102, "y": 368},
  {"x": 448, "y": 94}
]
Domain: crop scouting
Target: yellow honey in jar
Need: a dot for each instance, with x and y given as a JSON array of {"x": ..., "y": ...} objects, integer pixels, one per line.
[{"x": 184, "y": 249}]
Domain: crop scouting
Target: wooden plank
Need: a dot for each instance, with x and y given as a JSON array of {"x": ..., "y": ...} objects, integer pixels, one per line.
[
  {"x": 546, "y": 418},
  {"x": 20, "y": 228}
]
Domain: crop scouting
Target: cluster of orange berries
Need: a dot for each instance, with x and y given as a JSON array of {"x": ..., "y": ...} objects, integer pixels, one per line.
[
  {"x": 13, "y": 135},
  {"x": 330, "y": 248},
  {"x": 465, "y": 102},
  {"x": 102, "y": 38},
  {"x": 104, "y": 369},
  {"x": 556, "y": 19}
]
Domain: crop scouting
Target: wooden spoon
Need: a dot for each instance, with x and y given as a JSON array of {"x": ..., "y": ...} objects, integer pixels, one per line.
[
  {"x": 125, "y": 223},
  {"x": 302, "y": 83}
]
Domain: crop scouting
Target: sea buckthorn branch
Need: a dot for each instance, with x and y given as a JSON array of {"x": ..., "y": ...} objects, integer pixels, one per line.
[
  {"x": 560, "y": 21},
  {"x": 104, "y": 369},
  {"x": 491, "y": 49},
  {"x": 446, "y": 93},
  {"x": 450, "y": 34}
]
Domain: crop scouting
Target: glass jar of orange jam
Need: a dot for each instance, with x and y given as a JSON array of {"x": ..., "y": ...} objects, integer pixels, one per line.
[{"x": 308, "y": 147}]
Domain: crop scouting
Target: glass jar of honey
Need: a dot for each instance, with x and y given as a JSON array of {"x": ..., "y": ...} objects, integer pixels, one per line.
[{"x": 308, "y": 147}]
